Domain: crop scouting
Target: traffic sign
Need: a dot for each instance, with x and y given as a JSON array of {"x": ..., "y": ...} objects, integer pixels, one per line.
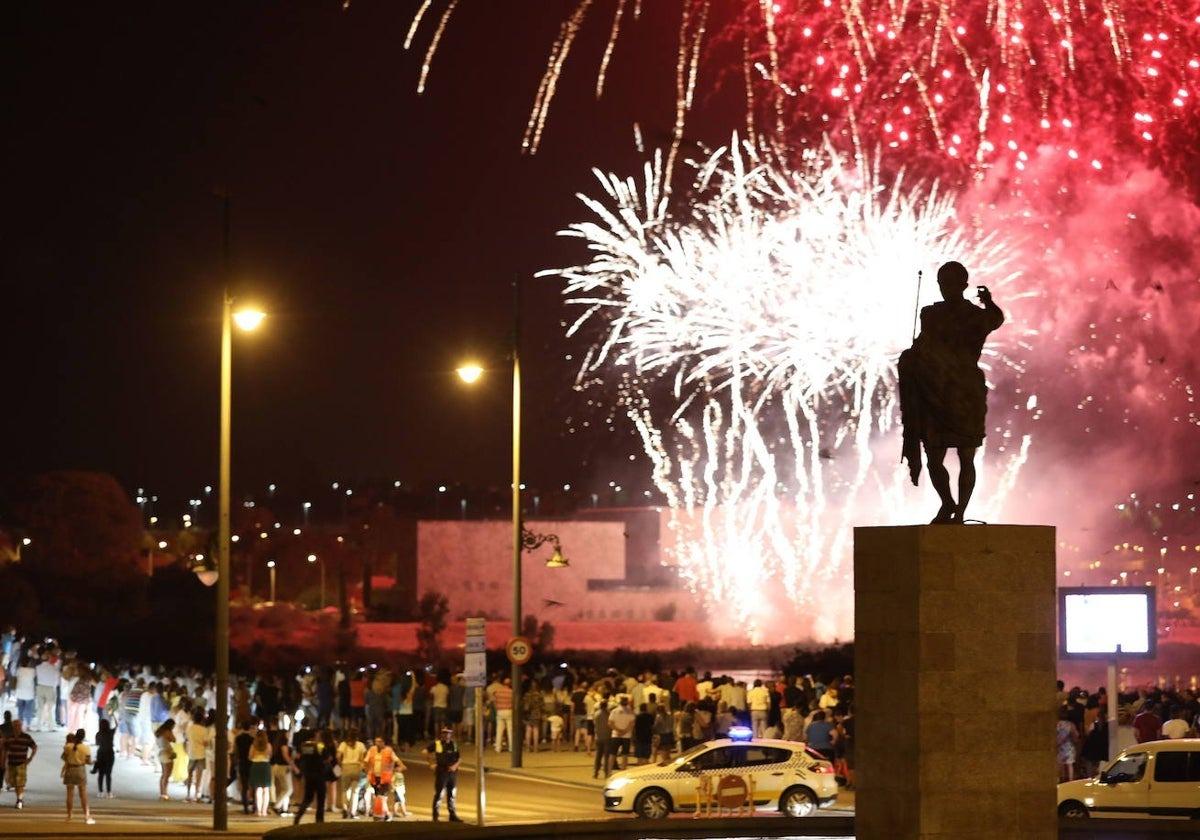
[
  {"x": 476, "y": 636},
  {"x": 475, "y": 660},
  {"x": 519, "y": 650}
]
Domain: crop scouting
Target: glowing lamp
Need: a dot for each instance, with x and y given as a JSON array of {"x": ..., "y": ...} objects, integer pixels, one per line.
[
  {"x": 248, "y": 319},
  {"x": 740, "y": 733},
  {"x": 469, "y": 373},
  {"x": 557, "y": 560}
]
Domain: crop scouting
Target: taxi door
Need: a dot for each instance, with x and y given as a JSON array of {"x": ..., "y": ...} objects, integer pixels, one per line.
[
  {"x": 1175, "y": 788},
  {"x": 686, "y": 779},
  {"x": 768, "y": 767},
  {"x": 1126, "y": 789}
]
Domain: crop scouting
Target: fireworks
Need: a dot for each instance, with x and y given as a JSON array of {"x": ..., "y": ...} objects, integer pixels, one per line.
[
  {"x": 955, "y": 87},
  {"x": 752, "y": 334},
  {"x": 762, "y": 334}
]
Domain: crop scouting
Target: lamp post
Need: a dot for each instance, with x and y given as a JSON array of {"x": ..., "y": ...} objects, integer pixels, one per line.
[
  {"x": 470, "y": 373},
  {"x": 246, "y": 319},
  {"x": 271, "y": 566},
  {"x": 312, "y": 558}
]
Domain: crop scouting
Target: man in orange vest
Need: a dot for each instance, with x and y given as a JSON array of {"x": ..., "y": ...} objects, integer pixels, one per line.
[{"x": 383, "y": 767}]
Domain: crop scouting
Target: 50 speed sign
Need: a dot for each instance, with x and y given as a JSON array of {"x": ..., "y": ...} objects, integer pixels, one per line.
[{"x": 519, "y": 650}]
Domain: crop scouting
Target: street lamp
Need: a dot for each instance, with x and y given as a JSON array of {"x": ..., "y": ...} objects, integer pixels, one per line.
[
  {"x": 271, "y": 566},
  {"x": 471, "y": 372},
  {"x": 247, "y": 319},
  {"x": 312, "y": 558}
]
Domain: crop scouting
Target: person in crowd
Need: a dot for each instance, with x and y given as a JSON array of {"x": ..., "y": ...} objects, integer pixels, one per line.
[
  {"x": 532, "y": 708},
  {"x": 75, "y": 758},
  {"x": 351, "y": 753},
  {"x": 403, "y": 689},
  {"x": 621, "y": 721},
  {"x": 643, "y": 733},
  {"x": 758, "y": 699},
  {"x": 79, "y": 697},
  {"x": 164, "y": 739},
  {"x": 383, "y": 767},
  {"x": 1177, "y": 726},
  {"x": 1067, "y": 740},
  {"x": 663, "y": 733},
  {"x": 439, "y": 703},
  {"x": 819, "y": 735},
  {"x": 198, "y": 738},
  {"x": 443, "y": 754},
  {"x": 242, "y": 741},
  {"x": 603, "y": 729},
  {"x": 48, "y": 674},
  {"x": 556, "y": 724},
  {"x": 106, "y": 757},
  {"x": 19, "y": 751},
  {"x": 1147, "y": 724},
  {"x": 316, "y": 760},
  {"x": 282, "y": 768},
  {"x": 502, "y": 699},
  {"x": 259, "y": 774},
  {"x": 25, "y": 692},
  {"x": 358, "y": 699}
]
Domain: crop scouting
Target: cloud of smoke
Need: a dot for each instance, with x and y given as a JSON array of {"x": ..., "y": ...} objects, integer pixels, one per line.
[{"x": 1115, "y": 266}]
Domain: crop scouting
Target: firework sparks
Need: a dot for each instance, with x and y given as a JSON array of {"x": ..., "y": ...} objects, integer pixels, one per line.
[
  {"x": 956, "y": 86},
  {"x": 762, "y": 336}
]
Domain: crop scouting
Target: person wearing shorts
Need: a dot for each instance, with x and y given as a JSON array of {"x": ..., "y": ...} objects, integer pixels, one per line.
[
  {"x": 198, "y": 736},
  {"x": 19, "y": 750},
  {"x": 76, "y": 757}
]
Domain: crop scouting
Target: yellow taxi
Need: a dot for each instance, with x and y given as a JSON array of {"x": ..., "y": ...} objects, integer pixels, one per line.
[
  {"x": 1155, "y": 779},
  {"x": 783, "y": 775}
]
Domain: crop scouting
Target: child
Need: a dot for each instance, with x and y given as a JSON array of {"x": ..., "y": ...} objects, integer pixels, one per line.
[
  {"x": 399, "y": 791},
  {"x": 556, "y": 730}
]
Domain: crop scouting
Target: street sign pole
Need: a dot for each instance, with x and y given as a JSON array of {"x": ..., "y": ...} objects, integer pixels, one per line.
[
  {"x": 480, "y": 795},
  {"x": 475, "y": 672}
]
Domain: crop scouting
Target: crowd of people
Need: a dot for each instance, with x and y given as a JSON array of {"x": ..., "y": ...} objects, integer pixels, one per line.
[
  {"x": 1145, "y": 714},
  {"x": 335, "y": 737}
]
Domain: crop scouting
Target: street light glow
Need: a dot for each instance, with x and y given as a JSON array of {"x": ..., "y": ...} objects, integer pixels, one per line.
[
  {"x": 312, "y": 558},
  {"x": 470, "y": 372},
  {"x": 248, "y": 319}
]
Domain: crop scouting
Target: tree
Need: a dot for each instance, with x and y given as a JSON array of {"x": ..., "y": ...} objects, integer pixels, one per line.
[
  {"x": 431, "y": 613},
  {"x": 83, "y": 563}
]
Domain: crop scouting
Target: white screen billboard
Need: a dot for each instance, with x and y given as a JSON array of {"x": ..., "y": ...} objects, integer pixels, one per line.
[{"x": 1103, "y": 622}]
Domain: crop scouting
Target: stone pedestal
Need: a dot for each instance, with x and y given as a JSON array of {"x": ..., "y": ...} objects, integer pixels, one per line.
[{"x": 954, "y": 671}]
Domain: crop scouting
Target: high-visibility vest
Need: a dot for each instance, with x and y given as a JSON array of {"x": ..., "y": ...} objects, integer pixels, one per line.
[{"x": 387, "y": 766}]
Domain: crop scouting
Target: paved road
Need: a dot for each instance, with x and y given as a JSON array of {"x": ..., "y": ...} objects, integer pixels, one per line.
[{"x": 137, "y": 809}]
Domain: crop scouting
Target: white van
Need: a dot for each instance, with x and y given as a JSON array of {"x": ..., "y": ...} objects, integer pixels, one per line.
[{"x": 1154, "y": 779}]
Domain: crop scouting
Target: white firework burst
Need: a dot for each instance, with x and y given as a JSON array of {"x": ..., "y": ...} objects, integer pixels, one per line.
[{"x": 761, "y": 328}]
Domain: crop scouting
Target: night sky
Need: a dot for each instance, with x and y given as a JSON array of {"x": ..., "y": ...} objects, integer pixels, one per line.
[{"x": 381, "y": 229}]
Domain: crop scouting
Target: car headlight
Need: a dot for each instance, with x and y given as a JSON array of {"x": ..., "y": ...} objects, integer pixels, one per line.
[{"x": 617, "y": 783}]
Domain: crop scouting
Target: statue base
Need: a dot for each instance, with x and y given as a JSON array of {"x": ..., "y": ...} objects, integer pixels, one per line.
[{"x": 954, "y": 682}]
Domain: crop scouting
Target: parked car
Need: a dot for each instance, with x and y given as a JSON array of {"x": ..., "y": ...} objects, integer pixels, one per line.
[
  {"x": 1154, "y": 779},
  {"x": 787, "y": 776}
]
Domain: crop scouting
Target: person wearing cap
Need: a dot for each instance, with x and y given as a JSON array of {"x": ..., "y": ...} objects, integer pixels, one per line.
[{"x": 443, "y": 754}]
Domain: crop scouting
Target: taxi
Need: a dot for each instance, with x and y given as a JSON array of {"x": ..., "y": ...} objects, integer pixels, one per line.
[
  {"x": 784, "y": 775},
  {"x": 1155, "y": 779}
]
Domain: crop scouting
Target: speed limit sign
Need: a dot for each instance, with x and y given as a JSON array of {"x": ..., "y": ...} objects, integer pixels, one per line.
[{"x": 519, "y": 650}]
